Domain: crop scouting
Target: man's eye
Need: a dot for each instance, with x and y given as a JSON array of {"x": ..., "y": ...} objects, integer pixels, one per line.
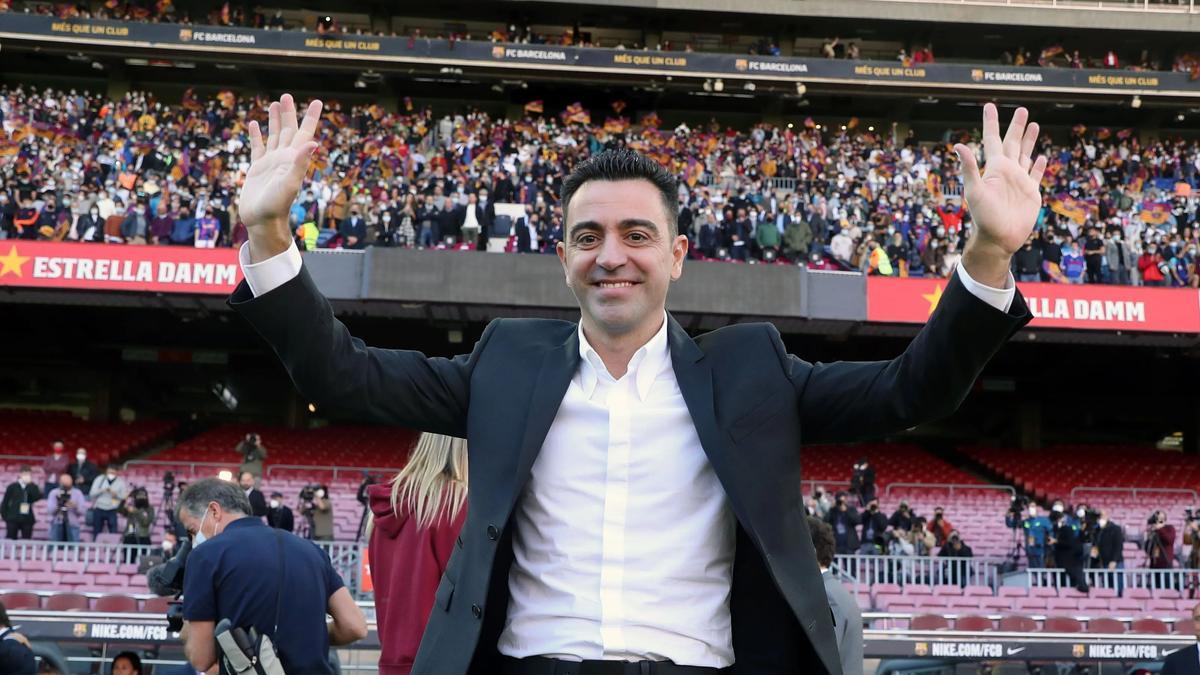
[{"x": 586, "y": 239}]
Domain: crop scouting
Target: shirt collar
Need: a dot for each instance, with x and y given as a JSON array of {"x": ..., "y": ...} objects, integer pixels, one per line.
[{"x": 645, "y": 365}]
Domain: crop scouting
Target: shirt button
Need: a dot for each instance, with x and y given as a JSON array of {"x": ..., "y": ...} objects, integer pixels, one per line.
[
  {"x": 493, "y": 533},
  {"x": 476, "y": 611}
]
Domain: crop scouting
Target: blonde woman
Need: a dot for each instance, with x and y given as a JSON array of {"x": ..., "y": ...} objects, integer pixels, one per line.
[{"x": 414, "y": 521}]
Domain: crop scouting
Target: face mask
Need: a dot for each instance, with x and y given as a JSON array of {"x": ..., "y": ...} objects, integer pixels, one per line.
[
  {"x": 320, "y": 494},
  {"x": 1102, "y": 522},
  {"x": 387, "y": 217},
  {"x": 200, "y": 537},
  {"x": 1057, "y": 508},
  {"x": 95, "y": 212},
  {"x": 81, "y": 456},
  {"x": 1032, "y": 511},
  {"x": 168, "y": 545},
  {"x": 112, "y": 475},
  {"x": 274, "y": 503},
  {"x": 1080, "y": 512}
]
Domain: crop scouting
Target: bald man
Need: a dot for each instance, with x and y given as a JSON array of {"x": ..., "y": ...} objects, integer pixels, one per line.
[{"x": 1186, "y": 661}]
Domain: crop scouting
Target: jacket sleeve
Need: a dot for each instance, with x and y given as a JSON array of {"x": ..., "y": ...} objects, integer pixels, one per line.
[
  {"x": 340, "y": 374},
  {"x": 857, "y": 400}
]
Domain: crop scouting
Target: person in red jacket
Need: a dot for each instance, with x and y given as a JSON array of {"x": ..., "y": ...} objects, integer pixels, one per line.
[
  {"x": 414, "y": 521},
  {"x": 1150, "y": 265}
]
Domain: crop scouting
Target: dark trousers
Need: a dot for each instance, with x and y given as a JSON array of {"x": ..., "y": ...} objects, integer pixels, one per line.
[
  {"x": 100, "y": 517},
  {"x": 20, "y": 530}
]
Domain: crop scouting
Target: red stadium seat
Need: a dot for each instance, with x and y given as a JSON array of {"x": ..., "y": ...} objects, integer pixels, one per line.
[
  {"x": 1016, "y": 623},
  {"x": 929, "y": 622},
  {"x": 973, "y": 623},
  {"x": 1013, "y": 592},
  {"x": 1104, "y": 625},
  {"x": 155, "y": 606},
  {"x": 117, "y": 604},
  {"x": 1184, "y": 627},
  {"x": 1061, "y": 624},
  {"x": 67, "y": 602},
  {"x": 21, "y": 601},
  {"x": 977, "y": 591},
  {"x": 1149, "y": 627}
]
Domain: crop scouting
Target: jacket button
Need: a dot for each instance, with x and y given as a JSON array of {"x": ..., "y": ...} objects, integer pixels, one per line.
[
  {"x": 493, "y": 533},
  {"x": 475, "y": 610}
]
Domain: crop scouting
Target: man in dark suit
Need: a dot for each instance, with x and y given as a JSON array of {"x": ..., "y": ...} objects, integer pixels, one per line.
[
  {"x": 354, "y": 230},
  {"x": 1185, "y": 661},
  {"x": 633, "y": 489},
  {"x": 258, "y": 503},
  {"x": 83, "y": 471}
]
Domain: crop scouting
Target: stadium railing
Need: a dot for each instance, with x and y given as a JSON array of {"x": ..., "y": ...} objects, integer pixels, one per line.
[
  {"x": 924, "y": 570},
  {"x": 1133, "y": 491},
  {"x": 887, "y": 491},
  {"x": 1183, "y": 580},
  {"x": 335, "y": 469}
]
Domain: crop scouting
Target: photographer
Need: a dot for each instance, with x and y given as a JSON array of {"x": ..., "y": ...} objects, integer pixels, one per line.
[
  {"x": 843, "y": 518},
  {"x": 253, "y": 453},
  {"x": 1160, "y": 542},
  {"x": 902, "y": 518},
  {"x": 821, "y": 502},
  {"x": 139, "y": 519},
  {"x": 279, "y": 515},
  {"x": 862, "y": 482},
  {"x": 1036, "y": 530},
  {"x": 17, "y": 508},
  {"x": 107, "y": 494},
  {"x": 67, "y": 508},
  {"x": 255, "y": 577},
  {"x": 940, "y": 527},
  {"x": 316, "y": 509},
  {"x": 874, "y": 527},
  {"x": 956, "y": 548},
  {"x": 1068, "y": 549}
]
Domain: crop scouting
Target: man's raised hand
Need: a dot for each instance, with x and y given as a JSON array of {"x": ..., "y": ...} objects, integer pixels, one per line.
[
  {"x": 1005, "y": 200},
  {"x": 277, "y": 168}
]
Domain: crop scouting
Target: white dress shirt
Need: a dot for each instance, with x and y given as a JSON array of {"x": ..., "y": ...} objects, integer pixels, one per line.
[{"x": 624, "y": 542}]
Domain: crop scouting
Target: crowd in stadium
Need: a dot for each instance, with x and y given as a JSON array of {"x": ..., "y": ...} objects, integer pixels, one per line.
[{"x": 138, "y": 170}]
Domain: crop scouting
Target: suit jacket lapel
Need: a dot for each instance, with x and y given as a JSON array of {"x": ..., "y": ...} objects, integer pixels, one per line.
[
  {"x": 694, "y": 376},
  {"x": 558, "y": 367}
]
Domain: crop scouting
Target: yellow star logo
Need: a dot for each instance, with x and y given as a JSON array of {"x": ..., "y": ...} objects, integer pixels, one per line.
[
  {"x": 933, "y": 298},
  {"x": 12, "y": 262}
]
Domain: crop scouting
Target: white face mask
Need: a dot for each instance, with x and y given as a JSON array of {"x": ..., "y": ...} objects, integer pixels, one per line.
[
  {"x": 81, "y": 456},
  {"x": 1102, "y": 522},
  {"x": 112, "y": 475},
  {"x": 1081, "y": 512},
  {"x": 1057, "y": 508},
  {"x": 320, "y": 494},
  {"x": 274, "y": 503},
  {"x": 200, "y": 537},
  {"x": 1033, "y": 511},
  {"x": 168, "y": 545}
]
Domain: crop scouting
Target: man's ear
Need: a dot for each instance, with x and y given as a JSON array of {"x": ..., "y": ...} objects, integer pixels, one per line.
[{"x": 561, "y": 249}]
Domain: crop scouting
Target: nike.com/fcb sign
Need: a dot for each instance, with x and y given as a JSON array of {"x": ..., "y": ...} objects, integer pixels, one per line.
[
  {"x": 1075, "y": 306},
  {"x": 115, "y": 267}
]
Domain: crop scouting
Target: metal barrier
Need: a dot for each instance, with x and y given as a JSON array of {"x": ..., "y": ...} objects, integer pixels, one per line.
[
  {"x": 929, "y": 570},
  {"x": 951, "y": 486},
  {"x": 71, "y": 552},
  {"x": 176, "y": 465},
  {"x": 1133, "y": 491},
  {"x": 1186, "y": 581},
  {"x": 335, "y": 469}
]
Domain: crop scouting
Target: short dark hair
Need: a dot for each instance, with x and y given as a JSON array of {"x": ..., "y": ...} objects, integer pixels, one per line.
[
  {"x": 625, "y": 164},
  {"x": 134, "y": 660},
  {"x": 4, "y": 622},
  {"x": 822, "y": 539},
  {"x": 24, "y": 468},
  {"x": 196, "y": 497}
]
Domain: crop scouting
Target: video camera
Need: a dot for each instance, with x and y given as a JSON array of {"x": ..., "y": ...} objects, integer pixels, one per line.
[
  {"x": 1018, "y": 505},
  {"x": 309, "y": 492},
  {"x": 166, "y": 580},
  {"x": 63, "y": 498},
  {"x": 1190, "y": 516},
  {"x": 168, "y": 482}
]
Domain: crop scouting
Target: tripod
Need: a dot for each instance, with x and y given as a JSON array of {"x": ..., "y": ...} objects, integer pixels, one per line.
[
  {"x": 168, "y": 507},
  {"x": 1016, "y": 547}
]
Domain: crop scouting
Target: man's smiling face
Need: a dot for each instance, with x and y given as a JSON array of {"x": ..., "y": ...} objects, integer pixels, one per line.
[{"x": 620, "y": 255}]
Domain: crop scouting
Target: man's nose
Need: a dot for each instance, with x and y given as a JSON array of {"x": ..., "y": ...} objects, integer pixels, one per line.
[{"x": 612, "y": 253}]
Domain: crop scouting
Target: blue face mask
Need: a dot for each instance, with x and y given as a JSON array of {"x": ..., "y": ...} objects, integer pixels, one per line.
[{"x": 200, "y": 538}]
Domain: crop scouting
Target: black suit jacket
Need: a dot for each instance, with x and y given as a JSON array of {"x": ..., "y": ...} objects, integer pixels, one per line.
[
  {"x": 750, "y": 402},
  {"x": 258, "y": 503},
  {"x": 1186, "y": 661}
]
